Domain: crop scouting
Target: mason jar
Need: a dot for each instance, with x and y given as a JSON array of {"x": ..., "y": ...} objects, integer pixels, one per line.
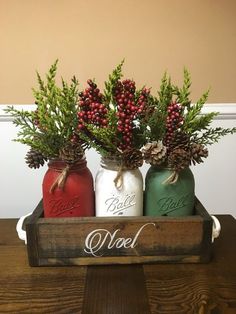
[
  {"x": 166, "y": 198},
  {"x": 118, "y": 190},
  {"x": 68, "y": 190}
]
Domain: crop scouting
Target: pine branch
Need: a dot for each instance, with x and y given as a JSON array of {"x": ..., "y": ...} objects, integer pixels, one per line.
[
  {"x": 184, "y": 92},
  {"x": 199, "y": 123},
  {"x": 165, "y": 93},
  {"x": 110, "y": 85},
  {"x": 98, "y": 140},
  {"x": 212, "y": 135},
  {"x": 54, "y": 122},
  {"x": 192, "y": 122}
]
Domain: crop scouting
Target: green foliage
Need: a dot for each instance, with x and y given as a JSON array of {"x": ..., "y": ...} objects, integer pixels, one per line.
[
  {"x": 195, "y": 124},
  {"x": 155, "y": 126},
  {"x": 113, "y": 78},
  {"x": 184, "y": 92},
  {"x": 165, "y": 94},
  {"x": 105, "y": 136},
  {"x": 157, "y": 120},
  {"x": 54, "y": 121},
  {"x": 193, "y": 121},
  {"x": 212, "y": 135}
]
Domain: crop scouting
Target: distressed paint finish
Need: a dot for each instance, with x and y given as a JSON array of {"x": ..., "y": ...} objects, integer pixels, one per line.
[
  {"x": 121, "y": 240},
  {"x": 126, "y": 200},
  {"x": 164, "y": 199}
]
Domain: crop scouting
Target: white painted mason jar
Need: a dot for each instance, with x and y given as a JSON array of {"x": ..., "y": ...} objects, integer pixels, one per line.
[{"x": 118, "y": 190}]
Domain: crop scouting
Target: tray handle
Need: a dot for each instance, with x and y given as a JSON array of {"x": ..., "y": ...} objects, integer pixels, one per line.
[
  {"x": 216, "y": 228},
  {"x": 20, "y": 231}
]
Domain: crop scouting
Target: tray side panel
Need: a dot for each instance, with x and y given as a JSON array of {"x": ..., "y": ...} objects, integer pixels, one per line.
[
  {"x": 107, "y": 239},
  {"x": 206, "y": 245},
  {"x": 126, "y": 240}
]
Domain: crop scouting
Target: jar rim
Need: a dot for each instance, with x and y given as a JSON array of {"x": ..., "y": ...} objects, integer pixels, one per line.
[{"x": 59, "y": 164}]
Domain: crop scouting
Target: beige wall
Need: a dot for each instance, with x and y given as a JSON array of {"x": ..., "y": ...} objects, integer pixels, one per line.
[{"x": 90, "y": 37}]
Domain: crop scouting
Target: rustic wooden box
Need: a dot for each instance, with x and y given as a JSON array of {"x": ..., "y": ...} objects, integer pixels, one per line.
[{"x": 119, "y": 240}]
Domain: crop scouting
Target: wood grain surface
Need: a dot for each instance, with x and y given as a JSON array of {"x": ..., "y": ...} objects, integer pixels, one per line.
[
  {"x": 123, "y": 240},
  {"x": 118, "y": 289}
]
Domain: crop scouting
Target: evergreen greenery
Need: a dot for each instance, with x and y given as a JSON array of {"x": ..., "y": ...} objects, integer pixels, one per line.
[
  {"x": 166, "y": 120},
  {"x": 110, "y": 84},
  {"x": 195, "y": 124},
  {"x": 178, "y": 132},
  {"x": 53, "y": 123}
]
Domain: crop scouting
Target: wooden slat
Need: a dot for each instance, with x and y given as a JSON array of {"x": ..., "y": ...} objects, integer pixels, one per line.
[
  {"x": 111, "y": 260},
  {"x": 198, "y": 288},
  {"x": 166, "y": 238},
  {"x": 25, "y": 289},
  {"x": 115, "y": 289}
]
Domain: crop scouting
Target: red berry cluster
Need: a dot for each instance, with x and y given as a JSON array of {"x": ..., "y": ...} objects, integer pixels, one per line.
[
  {"x": 174, "y": 121},
  {"x": 92, "y": 110},
  {"x": 127, "y": 109}
]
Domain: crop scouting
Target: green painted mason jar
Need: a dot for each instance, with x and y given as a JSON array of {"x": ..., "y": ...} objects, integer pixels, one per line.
[{"x": 168, "y": 199}]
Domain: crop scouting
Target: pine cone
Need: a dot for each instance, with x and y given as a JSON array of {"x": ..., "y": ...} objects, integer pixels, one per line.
[
  {"x": 71, "y": 152},
  {"x": 198, "y": 151},
  {"x": 180, "y": 140},
  {"x": 35, "y": 159},
  {"x": 179, "y": 159},
  {"x": 132, "y": 158},
  {"x": 154, "y": 153}
]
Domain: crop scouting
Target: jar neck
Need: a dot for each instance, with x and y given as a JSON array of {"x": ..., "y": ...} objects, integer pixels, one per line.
[
  {"x": 111, "y": 162},
  {"x": 114, "y": 163},
  {"x": 158, "y": 167},
  {"x": 59, "y": 165},
  {"x": 165, "y": 167}
]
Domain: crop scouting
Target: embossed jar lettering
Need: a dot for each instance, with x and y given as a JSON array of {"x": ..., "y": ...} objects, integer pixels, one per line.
[
  {"x": 75, "y": 197},
  {"x": 122, "y": 199},
  {"x": 164, "y": 199}
]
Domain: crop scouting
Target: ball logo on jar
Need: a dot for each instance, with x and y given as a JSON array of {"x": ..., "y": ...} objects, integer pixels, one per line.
[
  {"x": 117, "y": 204},
  {"x": 170, "y": 204},
  {"x": 60, "y": 206}
]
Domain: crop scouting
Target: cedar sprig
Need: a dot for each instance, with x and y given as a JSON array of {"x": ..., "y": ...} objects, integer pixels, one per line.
[
  {"x": 193, "y": 119},
  {"x": 165, "y": 94},
  {"x": 157, "y": 120},
  {"x": 212, "y": 135},
  {"x": 106, "y": 138},
  {"x": 54, "y": 121},
  {"x": 184, "y": 92},
  {"x": 110, "y": 85},
  {"x": 193, "y": 125}
]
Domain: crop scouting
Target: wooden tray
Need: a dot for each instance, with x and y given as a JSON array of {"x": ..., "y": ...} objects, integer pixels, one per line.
[{"x": 119, "y": 240}]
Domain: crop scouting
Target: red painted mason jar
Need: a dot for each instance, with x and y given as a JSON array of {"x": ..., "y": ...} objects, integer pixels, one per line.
[{"x": 68, "y": 190}]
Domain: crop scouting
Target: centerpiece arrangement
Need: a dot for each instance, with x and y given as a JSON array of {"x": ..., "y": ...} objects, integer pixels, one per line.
[
  {"x": 178, "y": 135},
  {"x": 126, "y": 126},
  {"x": 50, "y": 132},
  {"x": 112, "y": 123}
]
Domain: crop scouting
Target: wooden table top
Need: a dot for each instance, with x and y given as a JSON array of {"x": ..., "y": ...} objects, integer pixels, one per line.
[{"x": 118, "y": 289}]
